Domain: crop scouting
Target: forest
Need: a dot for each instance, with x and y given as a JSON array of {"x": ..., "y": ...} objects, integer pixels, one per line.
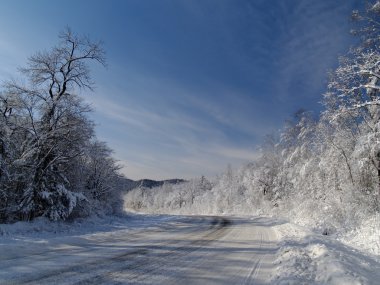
[{"x": 320, "y": 170}]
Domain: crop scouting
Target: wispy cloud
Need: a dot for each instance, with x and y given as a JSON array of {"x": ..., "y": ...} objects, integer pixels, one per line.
[
  {"x": 192, "y": 85},
  {"x": 165, "y": 143},
  {"x": 312, "y": 36}
]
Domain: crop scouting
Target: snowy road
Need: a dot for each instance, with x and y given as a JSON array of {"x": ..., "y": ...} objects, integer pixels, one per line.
[{"x": 180, "y": 250}]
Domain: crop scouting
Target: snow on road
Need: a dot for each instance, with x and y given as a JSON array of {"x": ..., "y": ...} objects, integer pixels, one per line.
[
  {"x": 171, "y": 250},
  {"x": 144, "y": 249}
]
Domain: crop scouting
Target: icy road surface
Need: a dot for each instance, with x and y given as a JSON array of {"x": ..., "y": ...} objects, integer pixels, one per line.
[{"x": 178, "y": 250}]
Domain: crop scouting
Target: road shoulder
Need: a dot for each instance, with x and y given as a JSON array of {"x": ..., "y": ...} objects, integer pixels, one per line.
[{"x": 305, "y": 257}]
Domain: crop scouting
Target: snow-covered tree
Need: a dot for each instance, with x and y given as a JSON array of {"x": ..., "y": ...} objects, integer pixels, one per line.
[
  {"x": 352, "y": 101},
  {"x": 46, "y": 136}
]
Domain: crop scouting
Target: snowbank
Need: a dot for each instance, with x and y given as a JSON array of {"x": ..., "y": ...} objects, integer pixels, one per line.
[
  {"x": 366, "y": 237},
  {"x": 42, "y": 229},
  {"x": 305, "y": 257}
]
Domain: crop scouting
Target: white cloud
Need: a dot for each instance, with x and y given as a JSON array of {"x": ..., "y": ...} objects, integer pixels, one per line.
[{"x": 176, "y": 145}]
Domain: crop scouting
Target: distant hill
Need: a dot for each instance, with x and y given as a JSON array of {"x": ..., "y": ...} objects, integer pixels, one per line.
[{"x": 148, "y": 183}]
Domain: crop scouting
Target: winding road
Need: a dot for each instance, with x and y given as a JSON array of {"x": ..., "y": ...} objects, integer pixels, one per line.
[{"x": 182, "y": 250}]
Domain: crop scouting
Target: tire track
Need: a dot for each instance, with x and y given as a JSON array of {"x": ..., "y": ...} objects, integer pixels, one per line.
[
  {"x": 136, "y": 258},
  {"x": 149, "y": 267}
]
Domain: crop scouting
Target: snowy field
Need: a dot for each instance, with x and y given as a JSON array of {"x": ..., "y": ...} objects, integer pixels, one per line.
[{"x": 163, "y": 249}]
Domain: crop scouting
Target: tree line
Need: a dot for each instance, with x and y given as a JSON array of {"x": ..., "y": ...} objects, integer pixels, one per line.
[{"x": 323, "y": 170}]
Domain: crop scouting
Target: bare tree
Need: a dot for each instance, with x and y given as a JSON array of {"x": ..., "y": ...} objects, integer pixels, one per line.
[{"x": 57, "y": 127}]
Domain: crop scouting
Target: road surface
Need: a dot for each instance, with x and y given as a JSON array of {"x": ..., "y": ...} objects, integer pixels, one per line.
[{"x": 182, "y": 250}]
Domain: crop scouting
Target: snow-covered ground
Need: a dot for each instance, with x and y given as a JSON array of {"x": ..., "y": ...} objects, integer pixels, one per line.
[
  {"x": 42, "y": 229},
  {"x": 30, "y": 251},
  {"x": 365, "y": 237},
  {"x": 163, "y": 249},
  {"x": 306, "y": 257},
  {"x": 158, "y": 250}
]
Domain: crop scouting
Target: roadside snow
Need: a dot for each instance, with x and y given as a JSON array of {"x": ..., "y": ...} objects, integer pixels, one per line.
[
  {"x": 366, "y": 237},
  {"x": 305, "y": 257},
  {"x": 41, "y": 229}
]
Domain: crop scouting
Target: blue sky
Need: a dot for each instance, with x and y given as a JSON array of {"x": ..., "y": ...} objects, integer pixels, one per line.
[{"x": 191, "y": 85}]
